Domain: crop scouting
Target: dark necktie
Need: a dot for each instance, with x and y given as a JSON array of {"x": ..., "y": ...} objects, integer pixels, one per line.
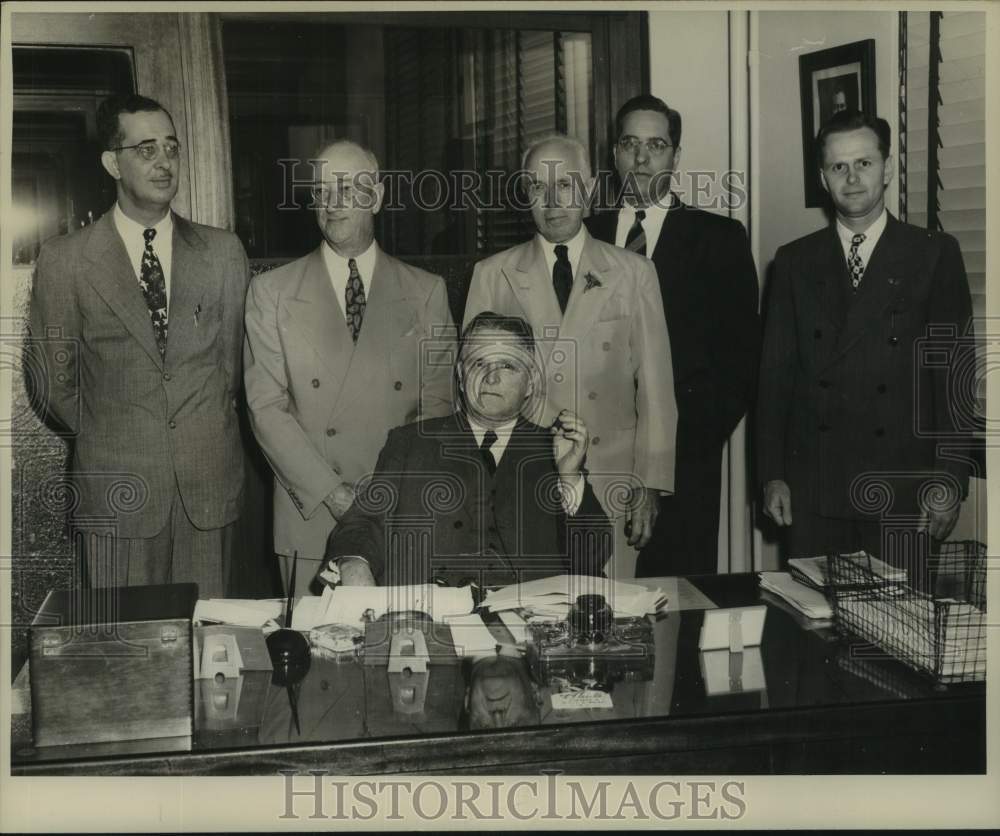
[
  {"x": 154, "y": 288},
  {"x": 854, "y": 262},
  {"x": 489, "y": 438},
  {"x": 354, "y": 300},
  {"x": 562, "y": 276},
  {"x": 636, "y": 238}
]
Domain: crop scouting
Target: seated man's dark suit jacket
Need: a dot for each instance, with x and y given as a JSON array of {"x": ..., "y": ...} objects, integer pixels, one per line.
[
  {"x": 431, "y": 510},
  {"x": 857, "y": 406},
  {"x": 709, "y": 286}
]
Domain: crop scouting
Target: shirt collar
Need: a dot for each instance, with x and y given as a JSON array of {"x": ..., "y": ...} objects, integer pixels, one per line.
[
  {"x": 872, "y": 233},
  {"x": 574, "y": 249},
  {"x": 478, "y": 430},
  {"x": 127, "y": 226},
  {"x": 338, "y": 266}
]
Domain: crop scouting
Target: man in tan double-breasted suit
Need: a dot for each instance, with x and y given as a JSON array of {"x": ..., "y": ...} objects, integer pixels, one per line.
[
  {"x": 342, "y": 345},
  {"x": 597, "y": 314}
]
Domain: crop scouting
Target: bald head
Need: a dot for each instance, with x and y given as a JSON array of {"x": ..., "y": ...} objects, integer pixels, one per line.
[
  {"x": 559, "y": 184},
  {"x": 347, "y": 195}
]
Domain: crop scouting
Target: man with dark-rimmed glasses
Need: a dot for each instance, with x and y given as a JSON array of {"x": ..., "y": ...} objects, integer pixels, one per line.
[
  {"x": 709, "y": 286},
  {"x": 136, "y": 328}
]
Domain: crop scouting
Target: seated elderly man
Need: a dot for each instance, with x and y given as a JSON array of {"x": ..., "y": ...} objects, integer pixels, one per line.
[{"x": 483, "y": 495}]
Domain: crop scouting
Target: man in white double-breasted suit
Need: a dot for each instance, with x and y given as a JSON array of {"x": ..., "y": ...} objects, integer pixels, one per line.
[
  {"x": 342, "y": 345},
  {"x": 603, "y": 348}
]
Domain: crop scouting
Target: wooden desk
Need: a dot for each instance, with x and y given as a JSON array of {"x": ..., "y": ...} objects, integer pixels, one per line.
[{"x": 824, "y": 711}]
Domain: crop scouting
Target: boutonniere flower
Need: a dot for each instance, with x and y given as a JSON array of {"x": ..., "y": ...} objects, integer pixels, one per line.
[{"x": 592, "y": 281}]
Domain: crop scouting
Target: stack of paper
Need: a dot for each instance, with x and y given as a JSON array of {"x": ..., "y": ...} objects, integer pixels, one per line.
[
  {"x": 470, "y": 635},
  {"x": 814, "y": 570},
  {"x": 810, "y": 602},
  {"x": 348, "y": 604},
  {"x": 242, "y": 612},
  {"x": 553, "y": 597}
]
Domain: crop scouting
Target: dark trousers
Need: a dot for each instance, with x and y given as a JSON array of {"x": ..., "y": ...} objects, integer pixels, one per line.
[{"x": 685, "y": 539}]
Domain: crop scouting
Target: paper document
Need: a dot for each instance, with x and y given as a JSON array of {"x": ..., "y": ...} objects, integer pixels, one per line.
[
  {"x": 811, "y": 602},
  {"x": 470, "y": 635},
  {"x": 242, "y": 612},
  {"x": 348, "y": 604},
  {"x": 814, "y": 570},
  {"x": 556, "y": 594}
]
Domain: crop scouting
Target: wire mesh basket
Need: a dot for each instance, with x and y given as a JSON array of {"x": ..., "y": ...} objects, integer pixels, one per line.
[{"x": 940, "y": 632}]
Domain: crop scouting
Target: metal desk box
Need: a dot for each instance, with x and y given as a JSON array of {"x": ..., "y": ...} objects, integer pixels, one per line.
[{"x": 112, "y": 664}]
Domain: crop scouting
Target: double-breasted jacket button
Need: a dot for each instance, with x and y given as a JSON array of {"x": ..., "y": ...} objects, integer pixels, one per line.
[
  {"x": 397, "y": 385},
  {"x": 330, "y": 431},
  {"x": 592, "y": 396},
  {"x": 166, "y": 376},
  {"x": 893, "y": 340},
  {"x": 457, "y": 524},
  {"x": 606, "y": 345},
  {"x": 595, "y": 440},
  {"x": 172, "y": 425},
  {"x": 315, "y": 383}
]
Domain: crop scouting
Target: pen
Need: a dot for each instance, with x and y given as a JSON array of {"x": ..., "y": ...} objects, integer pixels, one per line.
[{"x": 197, "y": 311}]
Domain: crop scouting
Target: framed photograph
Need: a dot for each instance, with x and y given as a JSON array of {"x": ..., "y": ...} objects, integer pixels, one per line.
[{"x": 831, "y": 80}]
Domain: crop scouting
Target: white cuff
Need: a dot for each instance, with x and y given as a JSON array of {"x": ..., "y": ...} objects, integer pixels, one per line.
[{"x": 571, "y": 493}]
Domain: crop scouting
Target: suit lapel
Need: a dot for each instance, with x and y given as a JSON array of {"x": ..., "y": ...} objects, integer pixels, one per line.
[
  {"x": 883, "y": 281},
  {"x": 585, "y": 305},
  {"x": 531, "y": 284},
  {"x": 113, "y": 277},
  {"x": 314, "y": 310},
  {"x": 458, "y": 446},
  {"x": 191, "y": 283},
  {"x": 387, "y": 318},
  {"x": 830, "y": 281}
]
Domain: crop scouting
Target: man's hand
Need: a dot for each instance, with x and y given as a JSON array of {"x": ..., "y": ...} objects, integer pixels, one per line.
[
  {"x": 347, "y": 571},
  {"x": 641, "y": 516},
  {"x": 940, "y": 516},
  {"x": 570, "y": 439},
  {"x": 778, "y": 501},
  {"x": 340, "y": 499}
]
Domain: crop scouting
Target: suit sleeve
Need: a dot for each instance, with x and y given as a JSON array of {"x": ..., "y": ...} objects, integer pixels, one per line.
[
  {"x": 950, "y": 304},
  {"x": 736, "y": 354},
  {"x": 240, "y": 280},
  {"x": 296, "y": 463},
  {"x": 777, "y": 373},
  {"x": 361, "y": 531},
  {"x": 479, "y": 298},
  {"x": 52, "y": 352},
  {"x": 654, "y": 453},
  {"x": 438, "y": 357}
]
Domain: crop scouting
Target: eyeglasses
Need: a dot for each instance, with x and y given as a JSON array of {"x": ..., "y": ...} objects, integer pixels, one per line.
[
  {"x": 654, "y": 145},
  {"x": 343, "y": 195},
  {"x": 150, "y": 148}
]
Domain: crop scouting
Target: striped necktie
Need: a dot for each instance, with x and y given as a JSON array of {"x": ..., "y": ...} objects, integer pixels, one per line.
[{"x": 636, "y": 239}]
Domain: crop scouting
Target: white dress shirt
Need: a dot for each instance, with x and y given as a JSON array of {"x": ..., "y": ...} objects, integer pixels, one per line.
[
  {"x": 571, "y": 491},
  {"x": 574, "y": 249},
  {"x": 651, "y": 225},
  {"x": 135, "y": 244},
  {"x": 339, "y": 271},
  {"x": 872, "y": 234}
]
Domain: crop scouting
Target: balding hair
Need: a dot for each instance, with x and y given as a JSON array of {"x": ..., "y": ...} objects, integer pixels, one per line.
[
  {"x": 581, "y": 151},
  {"x": 348, "y": 143}
]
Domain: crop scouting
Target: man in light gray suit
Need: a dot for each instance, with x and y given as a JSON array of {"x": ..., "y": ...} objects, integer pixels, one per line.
[
  {"x": 342, "y": 345},
  {"x": 150, "y": 308},
  {"x": 603, "y": 344}
]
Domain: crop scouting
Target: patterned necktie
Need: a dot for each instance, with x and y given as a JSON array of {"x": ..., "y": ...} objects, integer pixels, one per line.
[
  {"x": 489, "y": 437},
  {"x": 354, "y": 300},
  {"x": 154, "y": 289},
  {"x": 562, "y": 276},
  {"x": 854, "y": 262},
  {"x": 636, "y": 239}
]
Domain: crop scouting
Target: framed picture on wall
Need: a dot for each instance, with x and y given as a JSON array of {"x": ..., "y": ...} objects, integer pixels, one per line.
[{"x": 831, "y": 80}]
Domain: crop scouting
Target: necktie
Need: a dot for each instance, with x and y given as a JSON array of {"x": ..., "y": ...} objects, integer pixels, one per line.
[
  {"x": 154, "y": 289},
  {"x": 636, "y": 238},
  {"x": 354, "y": 300},
  {"x": 854, "y": 262},
  {"x": 562, "y": 276},
  {"x": 489, "y": 437}
]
